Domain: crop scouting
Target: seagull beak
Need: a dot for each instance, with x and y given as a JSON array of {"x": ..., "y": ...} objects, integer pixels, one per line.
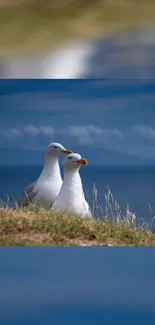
[
  {"x": 67, "y": 151},
  {"x": 82, "y": 161}
]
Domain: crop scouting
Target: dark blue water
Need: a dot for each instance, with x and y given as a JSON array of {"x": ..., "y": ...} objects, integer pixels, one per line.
[
  {"x": 133, "y": 185},
  {"x": 77, "y": 285}
]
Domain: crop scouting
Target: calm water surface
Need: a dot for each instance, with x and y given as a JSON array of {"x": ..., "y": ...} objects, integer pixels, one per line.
[{"x": 77, "y": 285}]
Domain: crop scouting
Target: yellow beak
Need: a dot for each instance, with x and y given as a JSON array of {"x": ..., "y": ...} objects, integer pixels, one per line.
[
  {"x": 67, "y": 151},
  {"x": 82, "y": 161}
]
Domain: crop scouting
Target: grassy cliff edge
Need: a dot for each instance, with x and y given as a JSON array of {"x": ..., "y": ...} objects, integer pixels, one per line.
[{"x": 35, "y": 226}]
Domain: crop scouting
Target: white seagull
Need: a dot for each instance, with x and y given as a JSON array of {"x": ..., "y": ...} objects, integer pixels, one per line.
[
  {"x": 71, "y": 196},
  {"x": 46, "y": 188}
]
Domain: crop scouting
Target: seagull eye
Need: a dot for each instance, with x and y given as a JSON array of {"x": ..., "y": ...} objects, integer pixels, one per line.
[
  {"x": 55, "y": 147},
  {"x": 70, "y": 158}
]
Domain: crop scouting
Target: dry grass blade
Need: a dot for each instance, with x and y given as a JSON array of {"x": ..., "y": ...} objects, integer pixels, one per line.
[{"x": 34, "y": 225}]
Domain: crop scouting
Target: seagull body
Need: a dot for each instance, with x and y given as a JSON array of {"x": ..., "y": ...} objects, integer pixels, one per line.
[
  {"x": 46, "y": 188},
  {"x": 71, "y": 196}
]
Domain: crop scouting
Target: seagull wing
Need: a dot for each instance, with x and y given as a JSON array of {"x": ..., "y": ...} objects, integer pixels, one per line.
[
  {"x": 51, "y": 204},
  {"x": 28, "y": 195},
  {"x": 86, "y": 207}
]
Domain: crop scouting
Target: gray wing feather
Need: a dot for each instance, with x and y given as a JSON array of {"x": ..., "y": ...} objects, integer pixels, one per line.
[
  {"x": 86, "y": 206},
  {"x": 51, "y": 204},
  {"x": 28, "y": 194}
]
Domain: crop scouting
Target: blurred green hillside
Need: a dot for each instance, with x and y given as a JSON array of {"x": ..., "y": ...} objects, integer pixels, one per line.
[{"x": 36, "y": 24}]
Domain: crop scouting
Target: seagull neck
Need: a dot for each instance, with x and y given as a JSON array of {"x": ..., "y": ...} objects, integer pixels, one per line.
[
  {"x": 51, "y": 166},
  {"x": 72, "y": 177}
]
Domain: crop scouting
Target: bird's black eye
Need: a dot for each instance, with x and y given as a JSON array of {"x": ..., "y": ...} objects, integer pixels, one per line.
[
  {"x": 70, "y": 158},
  {"x": 55, "y": 147}
]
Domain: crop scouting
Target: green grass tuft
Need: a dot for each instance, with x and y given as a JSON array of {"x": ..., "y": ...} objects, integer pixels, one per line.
[{"x": 38, "y": 226}]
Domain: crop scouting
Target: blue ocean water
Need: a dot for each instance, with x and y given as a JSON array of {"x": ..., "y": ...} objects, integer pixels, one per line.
[
  {"x": 83, "y": 315},
  {"x": 129, "y": 185},
  {"x": 77, "y": 285}
]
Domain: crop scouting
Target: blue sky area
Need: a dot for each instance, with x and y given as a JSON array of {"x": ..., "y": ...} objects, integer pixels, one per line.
[{"x": 107, "y": 121}]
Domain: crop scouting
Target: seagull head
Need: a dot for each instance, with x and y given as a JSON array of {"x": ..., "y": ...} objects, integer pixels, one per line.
[
  {"x": 74, "y": 161},
  {"x": 56, "y": 150}
]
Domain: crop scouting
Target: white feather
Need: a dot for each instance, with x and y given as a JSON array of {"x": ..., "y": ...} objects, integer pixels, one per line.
[
  {"x": 46, "y": 188},
  {"x": 71, "y": 196}
]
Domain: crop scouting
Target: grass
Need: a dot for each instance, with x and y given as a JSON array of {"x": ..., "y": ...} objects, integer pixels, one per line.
[
  {"x": 36, "y": 225},
  {"x": 37, "y": 25}
]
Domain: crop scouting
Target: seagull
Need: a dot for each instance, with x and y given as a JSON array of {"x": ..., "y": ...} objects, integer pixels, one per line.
[
  {"x": 46, "y": 188},
  {"x": 71, "y": 196}
]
